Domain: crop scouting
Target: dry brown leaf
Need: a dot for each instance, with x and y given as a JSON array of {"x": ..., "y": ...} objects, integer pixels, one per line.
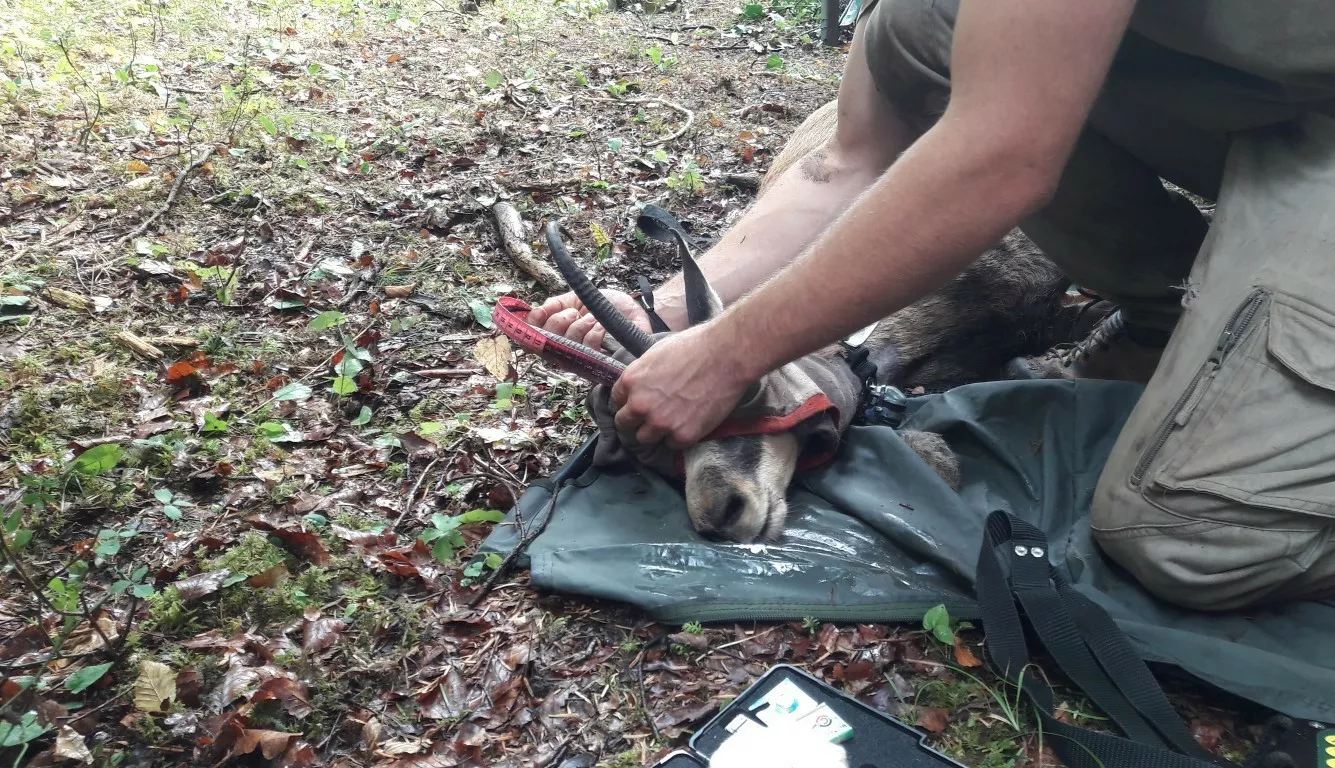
[
  {"x": 494, "y": 354},
  {"x": 85, "y": 640},
  {"x": 291, "y": 693},
  {"x": 70, "y": 746},
  {"x": 400, "y": 291},
  {"x": 933, "y": 719},
  {"x": 137, "y": 167},
  {"x": 271, "y": 743},
  {"x": 295, "y": 536},
  {"x": 187, "y": 686},
  {"x": 155, "y": 689},
  {"x": 202, "y": 584},
  {"x": 269, "y": 577},
  {"x": 965, "y": 657},
  {"x": 319, "y": 633}
]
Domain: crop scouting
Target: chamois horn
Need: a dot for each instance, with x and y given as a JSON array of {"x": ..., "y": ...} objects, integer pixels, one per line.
[{"x": 634, "y": 340}]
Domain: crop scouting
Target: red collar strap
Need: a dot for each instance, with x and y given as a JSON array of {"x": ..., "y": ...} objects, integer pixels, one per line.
[{"x": 816, "y": 414}]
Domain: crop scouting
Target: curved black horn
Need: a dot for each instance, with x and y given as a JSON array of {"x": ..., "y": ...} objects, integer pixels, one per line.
[{"x": 635, "y": 341}]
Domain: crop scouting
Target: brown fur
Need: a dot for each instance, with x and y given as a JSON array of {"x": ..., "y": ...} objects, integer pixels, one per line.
[{"x": 1007, "y": 304}]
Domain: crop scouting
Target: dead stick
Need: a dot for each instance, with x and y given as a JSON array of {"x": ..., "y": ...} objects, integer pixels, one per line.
[
  {"x": 408, "y": 507},
  {"x": 690, "y": 116},
  {"x": 519, "y": 549},
  {"x": 511, "y": 227},
  {"x": 690, "y": 119},
  {"x": 171, "y": 198}
]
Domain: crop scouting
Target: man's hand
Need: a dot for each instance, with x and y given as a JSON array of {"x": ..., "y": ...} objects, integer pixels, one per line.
[
  {"x": 681, "y": 389},
  {"x": 565, "y": 315}
]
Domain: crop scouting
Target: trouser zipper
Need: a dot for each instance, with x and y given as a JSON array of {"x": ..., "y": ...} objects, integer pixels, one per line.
[{"x": 1233, "y": 332}]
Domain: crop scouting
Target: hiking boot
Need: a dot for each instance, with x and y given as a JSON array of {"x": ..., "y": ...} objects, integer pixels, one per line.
[{"x": 1112, "y": 350}]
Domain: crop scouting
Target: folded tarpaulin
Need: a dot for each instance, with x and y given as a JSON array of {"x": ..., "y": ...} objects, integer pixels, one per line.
[{"x": 876, "y": 535}]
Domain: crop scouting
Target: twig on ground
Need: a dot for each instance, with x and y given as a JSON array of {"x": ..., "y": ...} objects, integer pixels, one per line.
[
  {"x": 412, "y": 495},
  {"x": 519, "y": 549},
  {"x": 644, "y": 695},
  {"x": 690, "y": 120},
  {"x": 138, "y": 345},
  {"x": 690, "y": 116},
  {"x": 166, "y": 206},
  {"x": 447, "y": 373},
  {"x": 511, "y": 228}
]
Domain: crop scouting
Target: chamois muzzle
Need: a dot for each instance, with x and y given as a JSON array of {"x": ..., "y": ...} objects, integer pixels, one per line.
[{"x": 629, "y": 335}]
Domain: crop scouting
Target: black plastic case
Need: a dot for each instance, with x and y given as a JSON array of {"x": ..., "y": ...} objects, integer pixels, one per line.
[{"x": 879, "y": 741}]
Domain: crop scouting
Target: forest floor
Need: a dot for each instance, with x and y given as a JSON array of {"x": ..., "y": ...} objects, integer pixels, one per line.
[{"x": 247, "y": 257}]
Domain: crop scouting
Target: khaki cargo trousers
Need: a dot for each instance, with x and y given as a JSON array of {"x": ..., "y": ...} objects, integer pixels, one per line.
[{"x": 1220, "y": 493}]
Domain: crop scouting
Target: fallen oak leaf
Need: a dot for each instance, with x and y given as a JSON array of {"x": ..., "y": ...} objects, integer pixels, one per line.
[
  {"x": 155, "y": 690},
  {"x": 318, "y": 633},
  {"x": 291, "y": 693},
  {"x": 400, "y": 291},
  {"x": 202, "y": 584},
  {"x": 296, "y": 537},
  {"x": 933, "y": 719},
  {"x": 494, "y": 354}
]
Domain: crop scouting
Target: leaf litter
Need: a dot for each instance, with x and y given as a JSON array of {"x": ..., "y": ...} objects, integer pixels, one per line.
[{"x": 240, "y": 524}]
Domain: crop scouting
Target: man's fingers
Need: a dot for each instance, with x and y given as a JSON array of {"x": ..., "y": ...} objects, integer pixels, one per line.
[
  {"x": 540, "y": 314},
  {"x": 559, "y": 322},
  {"x": 594, "y": 338},
  {"x": 579, "y": 330},
  {"x": 649, "y": 434}
]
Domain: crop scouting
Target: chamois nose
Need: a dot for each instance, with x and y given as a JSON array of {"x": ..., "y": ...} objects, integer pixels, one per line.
[{"x": 711, "y": 535}]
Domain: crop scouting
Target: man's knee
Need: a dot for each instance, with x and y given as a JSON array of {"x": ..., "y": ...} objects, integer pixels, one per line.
[{"x": 1211, "y": 566}]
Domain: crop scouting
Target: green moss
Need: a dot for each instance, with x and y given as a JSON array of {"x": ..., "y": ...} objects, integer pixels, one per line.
[
  {"x": 167, "y": 612},
  {"x": 253, "y": 554}
]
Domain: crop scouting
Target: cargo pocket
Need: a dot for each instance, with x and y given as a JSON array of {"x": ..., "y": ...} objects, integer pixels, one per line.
[{"x": 1258, "y": 425}]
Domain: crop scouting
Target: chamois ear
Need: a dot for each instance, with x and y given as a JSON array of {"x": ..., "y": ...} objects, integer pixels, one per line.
[{"x": 702, "y": 303}]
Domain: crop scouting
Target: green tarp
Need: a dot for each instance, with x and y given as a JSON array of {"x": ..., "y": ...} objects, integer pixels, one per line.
[{"x": 877, "y": 536}]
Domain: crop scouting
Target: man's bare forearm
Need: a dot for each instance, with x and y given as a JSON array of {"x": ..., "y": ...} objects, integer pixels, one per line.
[
  {"x": 806, "y": 199},
  {"x": 946, "y": 201}
]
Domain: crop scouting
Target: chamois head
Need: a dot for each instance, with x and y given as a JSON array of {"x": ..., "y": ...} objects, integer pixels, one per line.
[{"x": 735, "y": 486}]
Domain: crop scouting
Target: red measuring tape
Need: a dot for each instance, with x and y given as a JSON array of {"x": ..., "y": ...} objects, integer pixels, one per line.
[{"x": 588, "y": 363}]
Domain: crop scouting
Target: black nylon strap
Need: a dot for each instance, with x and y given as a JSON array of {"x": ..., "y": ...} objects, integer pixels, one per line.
[
  {"x": 646, "y": 299},
  {"x": 1093, "y": 652}
]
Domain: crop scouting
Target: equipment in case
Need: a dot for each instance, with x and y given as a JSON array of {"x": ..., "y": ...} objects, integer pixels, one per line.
[{"x": 786, "y": 697}]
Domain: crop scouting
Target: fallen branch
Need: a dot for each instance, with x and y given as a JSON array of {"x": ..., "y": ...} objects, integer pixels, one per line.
[
  {"x": 166, "y": 206},
  {"x": 511, "y": 228},
  {"x": 67, "y": 299},
  {"x": 138, "y": 345},
  {"x": 172, "y": 341},
  {"x": 743, "y": 180}
]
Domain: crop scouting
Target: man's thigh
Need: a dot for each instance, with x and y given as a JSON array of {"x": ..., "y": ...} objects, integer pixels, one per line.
[{"x": 1221, "y": 490}]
